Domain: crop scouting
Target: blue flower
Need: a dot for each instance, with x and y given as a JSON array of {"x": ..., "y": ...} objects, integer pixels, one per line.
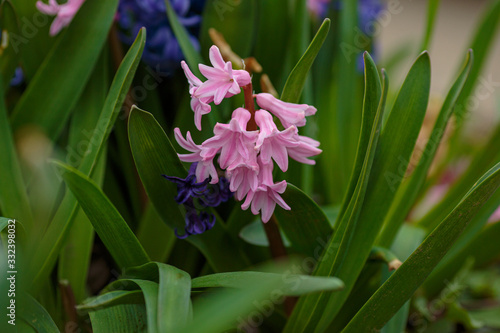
[
  {"x": 194, "y": 195},
  {"x": 162, "y": 51},
  {"x": 196, "y": 223}
]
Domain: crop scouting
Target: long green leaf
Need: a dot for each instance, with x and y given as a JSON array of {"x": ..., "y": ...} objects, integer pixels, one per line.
[
  {"x": 405, "y": 198},
  {"x": 432, "y": 10},
  {"x": 47, "y": 102},
  {"x": 174, "y": 299},
  {"x": 112, "y": 298},
  {"x": 305, "y": 237},
  {"x": 36, "y": 316},
  {"x": 394, "y": 150},
  {"x": 297, "y": 78},
  {"x": 481, "y": 44},
  {"x": 303, "y": 284},
  {"x": 48, "y": 249},
  {"x": 75, "y": 257},
  {"x": 107, "y": 221},
  {"x": 403, "y": 283},
  {"x": 13, "y": 197},
  {"x": 120, "y": 318},
  {"x": 307, "y": 320}
]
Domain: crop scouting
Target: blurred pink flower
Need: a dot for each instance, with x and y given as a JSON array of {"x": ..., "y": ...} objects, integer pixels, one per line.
[{"x": 64, "y": 13}]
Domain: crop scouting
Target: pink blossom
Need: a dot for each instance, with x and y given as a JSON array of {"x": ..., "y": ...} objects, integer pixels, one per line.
[
  {"x": 288, "y": 113},
  {"x": 199, "y": 106},
  {"x": 307, "y": 147},
  {"x": 222, "y": 80},
  {"x": 64, "y": 13},
  {"x": 205, "y": 166},
  {"x": 242, "y": 179},
  {"x": 235, "y": 143},
  {"x": 267, "y": 195},
  {"x": 495, "y": 216},
  {"x": 279, "y": 145}
]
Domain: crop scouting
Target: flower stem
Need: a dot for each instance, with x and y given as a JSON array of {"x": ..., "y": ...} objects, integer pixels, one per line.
[
  {"x": 250, "y": 106},
  {"x": 278, "y": 251}
]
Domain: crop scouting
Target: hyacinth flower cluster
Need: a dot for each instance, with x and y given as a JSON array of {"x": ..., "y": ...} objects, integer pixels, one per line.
[
  {"x": 195, "y": 196},
  {"x": 247, "y": 147},
  {"x": 162, "y": 51},
  {"x": 64, "y": 13}
]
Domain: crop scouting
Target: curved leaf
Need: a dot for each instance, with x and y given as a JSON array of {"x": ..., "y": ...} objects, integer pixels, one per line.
[
  {"x": 107, "y": 221},
  {"x": 407, "y": 278},
  {"x": 303, "y": 284},
  {"x": 297, "y": 78},
  {"x": 112, "y": 298}
]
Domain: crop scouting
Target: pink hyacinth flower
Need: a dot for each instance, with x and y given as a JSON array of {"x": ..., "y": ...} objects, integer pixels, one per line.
[
  {"x": 281, "y": 145},
  {"x": 205, "y": 166},
  {"x": 242, "y": 179},
  {"x": 222, "y": 80},
  {"x": 495, "y": 216},
  {"x": 235, "y": 143},
  {"x": 64, "y": 13},
  {"x": 267, "y": 195},
  {"x": 272, "y": 143},
  {"x": 289, "y": 114},
  {"x": 307, "y": 147},
  {"x": 199, "y": 106}
]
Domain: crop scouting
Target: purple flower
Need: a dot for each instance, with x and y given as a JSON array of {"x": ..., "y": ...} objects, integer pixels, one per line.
[
  {"x": 189, "y": 192},
  {"x": 162, "y": 51},
  {"x": 196, "y": 223}
]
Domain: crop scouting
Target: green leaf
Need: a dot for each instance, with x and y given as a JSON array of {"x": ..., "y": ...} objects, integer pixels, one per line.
[
  {"x": 75, "y": 257},
  {"x": 307, "y": 320},
  {"x": 409, "y": 190},
  {"x": 155, "y": 156},
  {"x": 297, "y": 78},
  {"x": 13, "y": 197},
  {"x": 157, "y": 238},
  {"x": 120, "y": 318},
  {"x": 432, "y": 10},
  {"x": 305, "y": 225},
  {"x": 303, "y": 284},
  {"x": 107, "y": 221},
  {"x": 394, "y": 150},
  {"x": 47, "y": 102},
  {"x": 174, "y": 300},
  {"x": 36, "y": 316},
  {"x": 47, "y": 250},
  {"x": 403, "y": 283},
  {"x": 174, "y": 292},
  {"x": 481, "y": 44},
  {"x": 110, "y": 299}
]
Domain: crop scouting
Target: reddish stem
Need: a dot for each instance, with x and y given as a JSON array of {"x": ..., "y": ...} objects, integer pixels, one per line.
[{"x": 250, "y": 106}]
